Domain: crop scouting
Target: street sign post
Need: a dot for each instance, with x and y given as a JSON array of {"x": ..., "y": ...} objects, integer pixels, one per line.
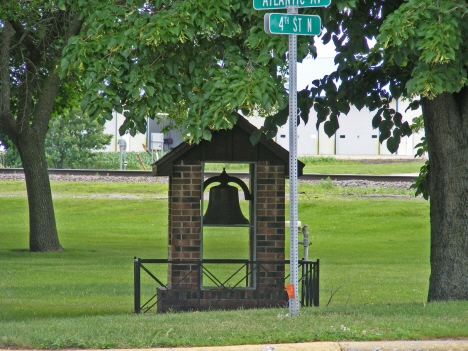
[
  {"x": 282, "y": 4},
  {"x": 282, "y": 23},
  {"x": 293, "y": 213},
  {"x": 293, "y": 25}
]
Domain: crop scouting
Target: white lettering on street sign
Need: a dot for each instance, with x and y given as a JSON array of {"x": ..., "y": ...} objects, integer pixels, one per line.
[
  {"x": 282, "y": 23},
  {"x": 282, "y": 4}
]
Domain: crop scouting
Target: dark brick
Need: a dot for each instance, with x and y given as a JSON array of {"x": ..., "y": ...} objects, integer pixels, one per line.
[
  {"x": 266, "y": 181},
  {"x": 190, "y": 199},
  {"x": 276, "y": 237},
  {"x": 181, "y": 181},
  {"x": 266, "y": 218},
  {"x": 275, "y": 249},
  {"x": 182, "y": 169},
  {"x": 275, "y": 225},
  {"x": 192, "y": 249},
  {"x": 266, "y": 243}
]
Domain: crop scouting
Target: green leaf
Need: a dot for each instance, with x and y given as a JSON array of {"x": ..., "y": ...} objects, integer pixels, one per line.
[
  {"x": 207, "y": 135},
  {"x": 399, "y": 58},
  {"x": 191, "y": 66},
  {"x": 397, "y": 118},
  {"x": 392, "y": 144},
  {"x": 255, "y": 137},
  {"x": 113, "y": 42},
  {"x": 329, "y": 128},
  {"x": 61, "y": 5},
  {"x": 73, "y": 40},
  {"x": 376, "y": 121},
  {"x": 149, "y": 90}
]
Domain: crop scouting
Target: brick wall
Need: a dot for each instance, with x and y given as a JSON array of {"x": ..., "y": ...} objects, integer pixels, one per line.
[
  {"x": 185, "y": 243},
  {"x": 270, "y": 223},
  {"x": 184, "y": 221}
]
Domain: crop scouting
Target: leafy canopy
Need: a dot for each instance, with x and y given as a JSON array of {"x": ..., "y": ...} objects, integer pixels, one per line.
[
  {"x": 212, "y": 57},
  {"x": 430, "y": 38},
  {"x": 421, "y": 50},
  {"x": 72, "y": 140}
]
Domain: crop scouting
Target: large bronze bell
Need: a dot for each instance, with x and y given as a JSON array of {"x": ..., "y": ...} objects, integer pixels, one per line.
[{"x": 223, "y": 207}]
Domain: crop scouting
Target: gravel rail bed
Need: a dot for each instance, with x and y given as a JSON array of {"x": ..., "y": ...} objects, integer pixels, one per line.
[{"x": 165, "y": 180}]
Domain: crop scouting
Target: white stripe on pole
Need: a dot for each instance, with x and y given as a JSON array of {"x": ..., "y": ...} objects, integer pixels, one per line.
[{"x": 293, "y": 254}]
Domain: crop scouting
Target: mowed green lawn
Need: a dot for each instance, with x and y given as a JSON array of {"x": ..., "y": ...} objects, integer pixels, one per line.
[
  {"x": 374, "y": 253},
  {"x": 370, "y": 248}
]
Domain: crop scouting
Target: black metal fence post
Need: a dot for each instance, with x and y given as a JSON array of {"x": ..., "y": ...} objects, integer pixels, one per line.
[
  {"x": 200, "y": 282},
  {"x": 303, "y": 284},
  {"x": 257, "y": 284},
  {"x": 136, "y": 283},
  {"x": 316, "y": 280}
]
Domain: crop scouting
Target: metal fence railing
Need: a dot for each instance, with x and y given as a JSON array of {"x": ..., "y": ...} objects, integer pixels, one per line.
[{"x": 212, "y": 274}]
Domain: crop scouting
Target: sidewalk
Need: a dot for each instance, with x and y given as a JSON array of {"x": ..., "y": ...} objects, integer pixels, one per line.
[{"x": 399, "y": 345}]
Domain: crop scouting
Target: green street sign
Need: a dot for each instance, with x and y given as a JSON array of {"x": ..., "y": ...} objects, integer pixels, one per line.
[
  {"x": 282, "y": 23},
  {"x": 282, "y": 4}
]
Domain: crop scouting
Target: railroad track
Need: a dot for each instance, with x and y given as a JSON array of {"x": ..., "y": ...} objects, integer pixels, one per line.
[{"x": 116, "y": 173}]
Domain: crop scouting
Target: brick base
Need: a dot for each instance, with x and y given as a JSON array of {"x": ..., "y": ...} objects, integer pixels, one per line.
[{"x": 219, "y": 299}]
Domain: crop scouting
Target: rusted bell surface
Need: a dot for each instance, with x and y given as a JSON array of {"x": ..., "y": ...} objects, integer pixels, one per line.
[{"x": 223, "y": 206}]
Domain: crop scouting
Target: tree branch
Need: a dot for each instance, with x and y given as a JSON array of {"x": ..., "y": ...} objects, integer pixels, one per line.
[
  {"x": 24, "y": 37},
  {"x": 59, "y": 21},
  {"x": 51, "y": 86},
  {"x": 26, "y": 32}
]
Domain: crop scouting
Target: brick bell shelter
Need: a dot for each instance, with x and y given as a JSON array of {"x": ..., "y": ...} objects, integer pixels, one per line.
[{"x": 259, "y": 280}]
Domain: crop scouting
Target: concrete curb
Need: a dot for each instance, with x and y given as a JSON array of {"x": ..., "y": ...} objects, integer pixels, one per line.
[{"x": 399, "y": 345}]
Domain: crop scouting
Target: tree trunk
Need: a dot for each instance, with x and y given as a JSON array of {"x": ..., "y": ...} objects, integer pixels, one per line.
[
  {"x": 446, "y": 125},
  {"x": 42, "y": 228},
  {"x": 26, "y": 126}
]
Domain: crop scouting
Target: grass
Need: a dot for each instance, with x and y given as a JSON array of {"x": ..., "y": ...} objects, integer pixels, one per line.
[
  {"x": 374, "y": 255},
  {"x": 80, "y": 189},
  {"x": 389, "y": 322},
  {"x": 353, "y": 167}
]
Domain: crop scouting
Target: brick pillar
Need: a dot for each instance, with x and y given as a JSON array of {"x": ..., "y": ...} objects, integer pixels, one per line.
[
  {"x": 270, "y": 223},
  {"x": 184, "y": 218}
]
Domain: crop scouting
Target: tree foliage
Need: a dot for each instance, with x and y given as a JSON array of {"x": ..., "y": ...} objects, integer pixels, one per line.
[
  {"x": 214, "y": 57},
  {"x": 71, "y": 140},
  {"x": 429, "y": 37}
]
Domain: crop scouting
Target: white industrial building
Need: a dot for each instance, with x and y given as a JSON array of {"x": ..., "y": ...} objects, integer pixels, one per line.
[
  {"x": 354, "y": 137},
  {"x": 135, "y": 143}
]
